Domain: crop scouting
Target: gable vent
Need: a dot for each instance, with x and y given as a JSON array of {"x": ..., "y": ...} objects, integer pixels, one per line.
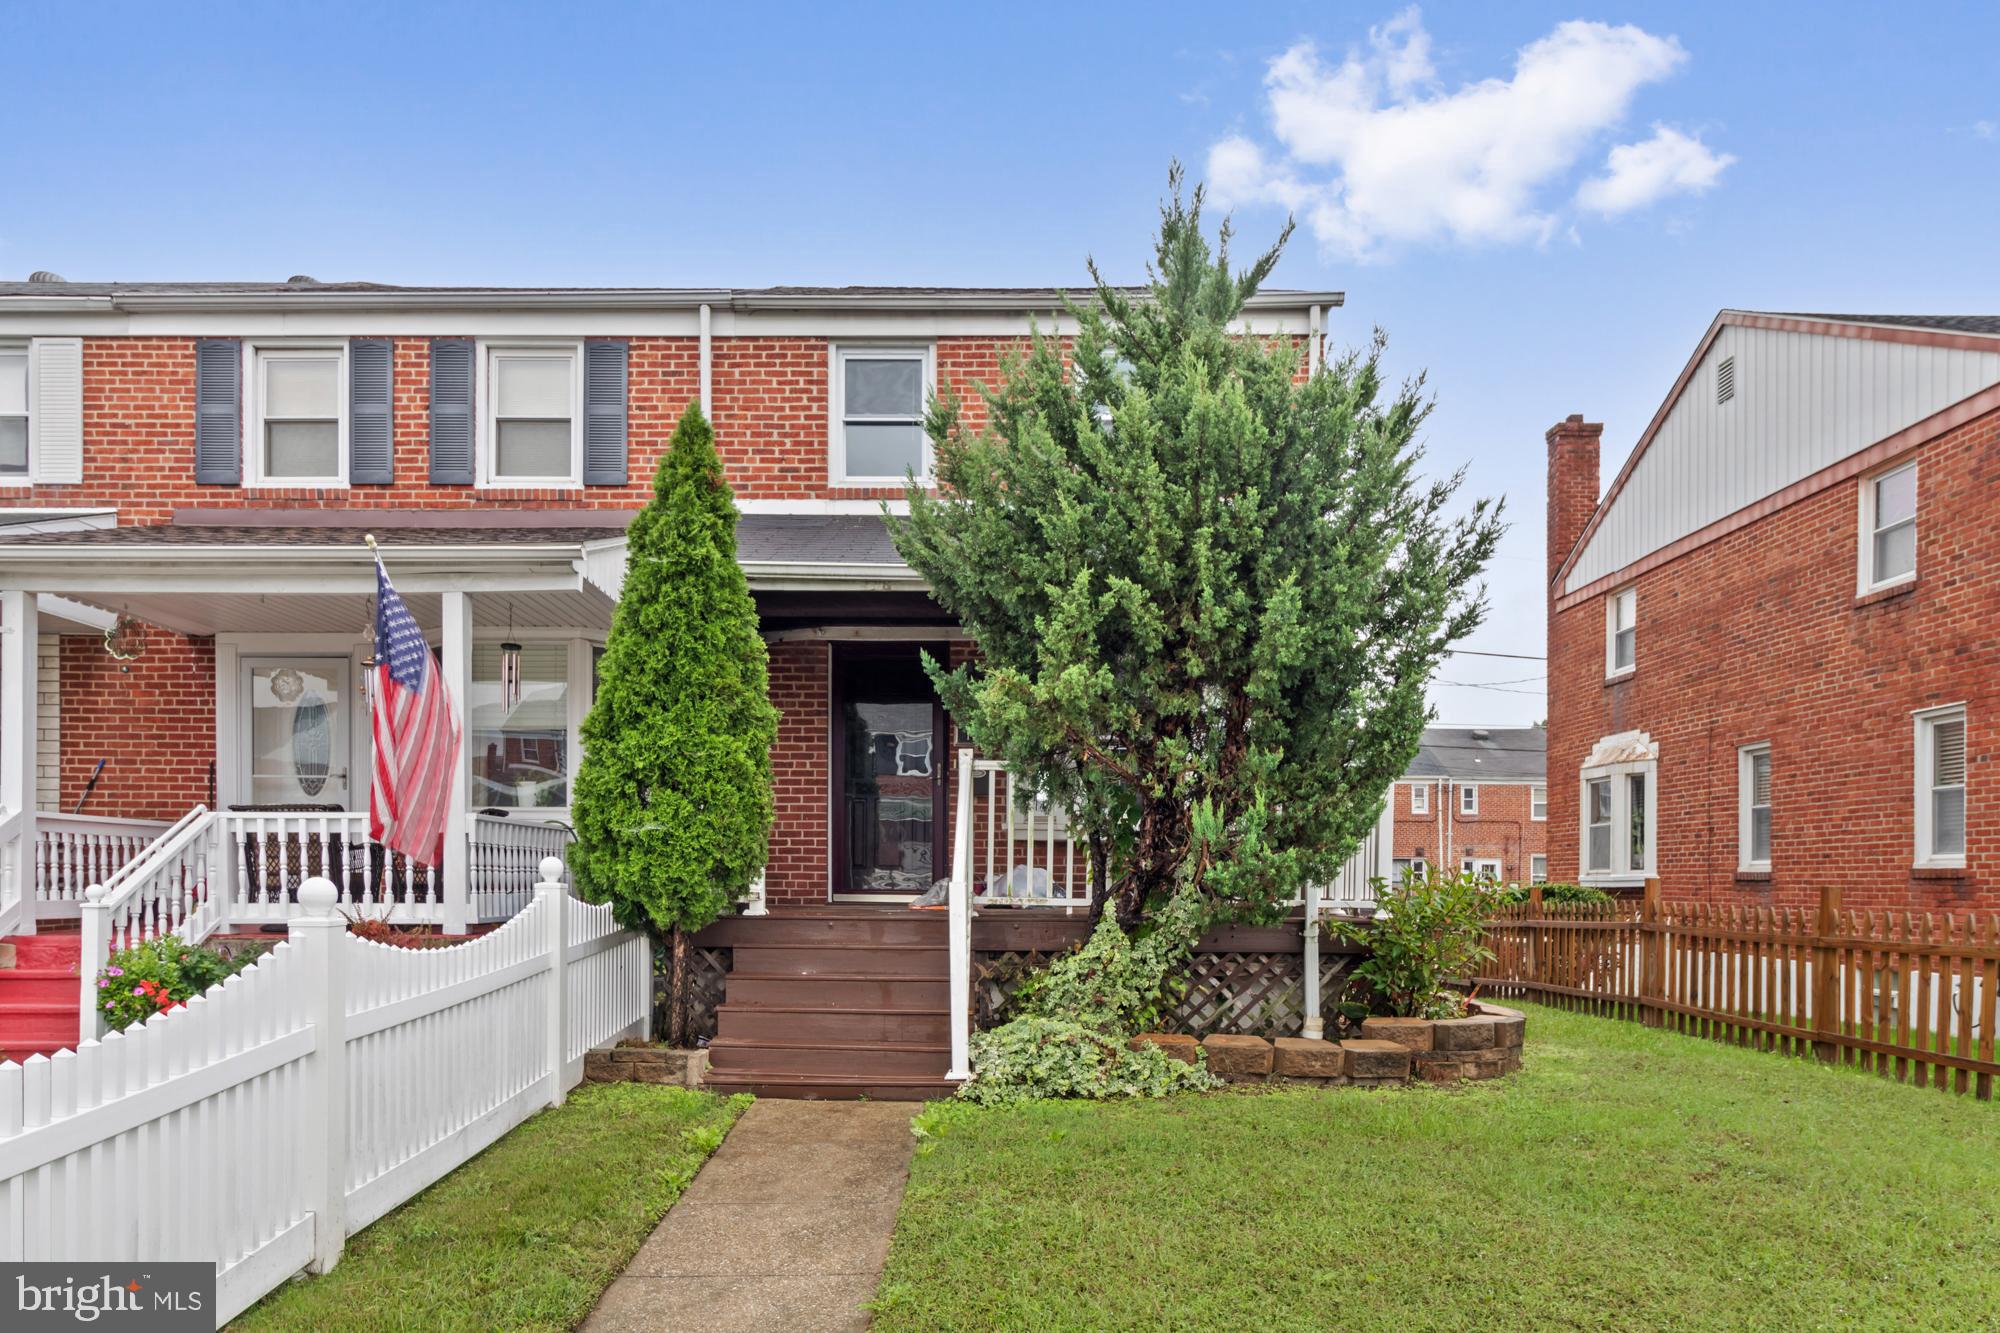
[{"x": 1725, "y": 379}]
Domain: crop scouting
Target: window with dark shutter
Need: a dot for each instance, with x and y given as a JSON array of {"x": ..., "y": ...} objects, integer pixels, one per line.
[
  {"x": 451, "y": 411},
  {"x": 218, "y": 412},
  {"x": 604, "y": 384},
  {"x": 370, "y": 414}
]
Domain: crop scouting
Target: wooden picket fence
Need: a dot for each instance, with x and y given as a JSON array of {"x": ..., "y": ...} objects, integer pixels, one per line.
[{"x": 1907, "y": 995}]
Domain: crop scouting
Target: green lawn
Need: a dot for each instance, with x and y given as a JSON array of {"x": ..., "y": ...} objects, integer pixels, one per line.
[
  {"x": 527, "y": 1234},
  {"x": 1625, "y": 1179}
]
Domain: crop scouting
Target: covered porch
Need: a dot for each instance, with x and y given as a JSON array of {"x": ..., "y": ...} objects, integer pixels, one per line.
[{"x": 272, "y": 680}]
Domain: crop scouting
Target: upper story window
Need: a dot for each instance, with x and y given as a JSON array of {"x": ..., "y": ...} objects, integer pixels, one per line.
[
  {"x": 1538, "y": 802},
  {"x": 1420, "y": 799},
  {"x": 534, "y": 415},
  {"x": 1753, "y": 807},
  {"x": 1468, "y": 799},
  {"x": 878, "y": 414},
  {"x": 1621, "y": 631},
  {"x": 1889, "y": 527},
  {"x": 298, "y": 395},
  {"x": 1941, "y": 787},
  {"x": 1538, "y": 868},
  {"x": 1619, "y": 800},
  {"x": 13, "y": 409}
]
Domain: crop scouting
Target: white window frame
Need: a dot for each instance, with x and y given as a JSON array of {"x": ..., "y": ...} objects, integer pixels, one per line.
[
  {"x": 1538, "y": 867},
  {"x": 1538, "y": 800},
  {"x": 1866, "y": 582},
  {"x": 1491, "y": 867},
  {"x": 1621, "y": 872},
  {"x": 836, "y": 407},
  {"x": 1927, "y": 722},
  {"x": 486, "y": 475},
  {"x": 1418, "y": 867},
  {"x": 1624, "y": 596},
  {"x": 25, "y": 349},
  {"x": 1420, "y": 798},
  {"x": 1746, "y": 761},
  {"x": 1468, "y": 800},
  {"x": 255, "y": 356}
]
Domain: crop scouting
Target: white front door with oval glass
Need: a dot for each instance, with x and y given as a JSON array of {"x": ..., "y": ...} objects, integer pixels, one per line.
[{"x": 295, "y": 732}]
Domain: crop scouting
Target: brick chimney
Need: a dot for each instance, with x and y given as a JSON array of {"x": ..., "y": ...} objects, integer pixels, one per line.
[{"x": 1572, "y": 484}]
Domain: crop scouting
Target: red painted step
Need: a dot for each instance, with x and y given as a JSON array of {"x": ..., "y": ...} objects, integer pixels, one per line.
[{"x": 38, "y": 995}]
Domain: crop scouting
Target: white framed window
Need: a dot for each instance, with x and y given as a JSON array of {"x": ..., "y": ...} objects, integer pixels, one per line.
[
  {"x": 1753, "y": 807},
  {"x": 1888, "y": 549},
  {"x": 1618, "y": 828},
  {"x": 1482, "y": 868},
  {"x": 1621, "y": 632},
  {"x": 876, "y": 414},
  {"x": 14, "y": 410},
  {"x": 1538, "y": 868},
  {"x": 298, "y": 415},
  {"x": 533, "y": 415},
  {"x": 1420, "y": 798},
  {"x": 1468, "y": 799},
  {"x": 1408, "y": 868},
  {"x": 1941, "y": 787},
  {"x": 1538, "y": 802}
]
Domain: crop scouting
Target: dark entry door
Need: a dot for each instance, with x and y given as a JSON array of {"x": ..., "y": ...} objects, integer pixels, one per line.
[{"x": 888, "y": 771}]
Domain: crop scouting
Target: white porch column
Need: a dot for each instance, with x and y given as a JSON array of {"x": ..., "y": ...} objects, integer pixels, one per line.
[
  {"x": 19, "y": 637},
  {"x": 458, "y": 819}
]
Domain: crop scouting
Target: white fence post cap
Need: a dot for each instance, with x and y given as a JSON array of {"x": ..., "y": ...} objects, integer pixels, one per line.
[
  {"x": 94, "y": 893},
  {"x": 552, "y": 870},
  {"x": 317, "y": 896}
]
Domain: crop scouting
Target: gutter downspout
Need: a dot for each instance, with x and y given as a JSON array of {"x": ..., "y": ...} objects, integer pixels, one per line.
[
  {"x": 1313, "y": 340},
  {"x": 707, "y": 363}
]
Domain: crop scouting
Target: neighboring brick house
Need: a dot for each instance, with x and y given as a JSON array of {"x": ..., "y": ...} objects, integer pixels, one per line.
[
  {"x": 197, "y": 463},
  {"x": 1474, "y": 799},
  {"x": 1774, "y": 646}
]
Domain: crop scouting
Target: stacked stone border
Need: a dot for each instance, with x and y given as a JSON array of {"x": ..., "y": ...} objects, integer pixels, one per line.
[
  {"x": 643, "y": 1062},
  {"x": 1390, "y": 1051}
]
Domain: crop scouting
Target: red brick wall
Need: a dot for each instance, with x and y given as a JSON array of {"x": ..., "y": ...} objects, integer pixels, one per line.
[
  {"x": 1759, "y": 637},
  {"x": 801, "y": 680},
  {"x": 1504, "y": 829},
  {"x": 1573, "y": 482},
  {"x": 152, "y": 719}
]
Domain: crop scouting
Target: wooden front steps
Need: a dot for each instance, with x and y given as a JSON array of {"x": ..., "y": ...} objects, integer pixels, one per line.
[{"x": 835, "y": 1003}]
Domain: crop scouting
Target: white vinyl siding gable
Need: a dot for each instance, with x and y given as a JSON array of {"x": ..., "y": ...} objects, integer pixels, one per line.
[
  {"x": 1802, "y": 402},
  {"x": 876, "y": 403},
  {"x": 1941, "y": 788}
]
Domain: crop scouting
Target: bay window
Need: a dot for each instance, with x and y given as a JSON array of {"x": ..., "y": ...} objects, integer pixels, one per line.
[{"x": 1619, "y": 804}]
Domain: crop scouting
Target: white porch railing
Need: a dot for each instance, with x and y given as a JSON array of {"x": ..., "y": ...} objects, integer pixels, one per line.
[
  {"x": 16, "y": 891},
  {"x": 73, "y": 852},
  {"x": 506, "y": 858},
  {"x": 213, "y": 871}
]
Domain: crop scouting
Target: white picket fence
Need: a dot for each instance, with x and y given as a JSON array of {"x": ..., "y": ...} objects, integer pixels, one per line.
[{"x": 263, "y": 1123}]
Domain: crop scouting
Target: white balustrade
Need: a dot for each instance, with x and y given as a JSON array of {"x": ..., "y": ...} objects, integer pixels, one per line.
[
  {"x": 262, "y": 1123},
  {"x": 73, "y": 852},
  {"x": 1024, "y": 853},
  {"x": 506, "y": 856}
]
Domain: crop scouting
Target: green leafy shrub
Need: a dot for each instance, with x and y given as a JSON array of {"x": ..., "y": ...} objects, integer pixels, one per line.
[
  {"x": 156, "y": 976},
  {"x": 1078, "y": 1015},
  {"x": 1429, "y": 931},
  {"x": 1035, "y": 1057},
  {"x": 1570, "y": 895}
]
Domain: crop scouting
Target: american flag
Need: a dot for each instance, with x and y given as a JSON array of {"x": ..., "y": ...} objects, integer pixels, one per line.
[{"x": 416, "y": 734}]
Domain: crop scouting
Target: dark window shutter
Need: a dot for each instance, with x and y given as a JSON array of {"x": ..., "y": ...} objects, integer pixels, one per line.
[
  {"x": 451, "y": 411},
  {"x": 604, "y": 373},
  {"x": 218, "y": 412},
  {"x": 371, "y": 457}
]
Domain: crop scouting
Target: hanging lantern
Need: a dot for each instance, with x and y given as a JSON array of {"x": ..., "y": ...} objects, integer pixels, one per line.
[{"x": 510, "y": 675}]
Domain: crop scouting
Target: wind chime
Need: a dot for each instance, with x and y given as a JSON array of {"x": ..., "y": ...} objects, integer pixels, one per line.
[{"x": 510, "y": 666}]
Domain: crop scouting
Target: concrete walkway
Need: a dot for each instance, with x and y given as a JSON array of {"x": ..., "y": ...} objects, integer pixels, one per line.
[{"x": 786, "y": 1227}]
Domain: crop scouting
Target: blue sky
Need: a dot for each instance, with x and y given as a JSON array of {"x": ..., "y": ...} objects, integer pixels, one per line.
[{"x": 1833, "y": 158}]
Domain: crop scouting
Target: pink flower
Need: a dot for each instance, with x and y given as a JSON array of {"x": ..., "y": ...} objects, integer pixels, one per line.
[{"x": 138, "y": 990}]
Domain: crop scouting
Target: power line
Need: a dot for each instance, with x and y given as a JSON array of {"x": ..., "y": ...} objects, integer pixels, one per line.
[
  {"x": 1474, "y": 652},
  {"x": 1497, "y": 689}
]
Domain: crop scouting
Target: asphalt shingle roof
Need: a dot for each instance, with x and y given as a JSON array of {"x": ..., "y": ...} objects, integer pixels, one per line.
[
  {"x": 1943, "y": 323},
  {"x": 1482, "y": 754}
]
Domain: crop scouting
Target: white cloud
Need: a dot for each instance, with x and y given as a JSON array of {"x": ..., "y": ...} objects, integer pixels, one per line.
[
  {"x": 1638, "y": 174},
  {"x": 1984, "y": 129},
  {"x": 1374, "y": 154}
]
